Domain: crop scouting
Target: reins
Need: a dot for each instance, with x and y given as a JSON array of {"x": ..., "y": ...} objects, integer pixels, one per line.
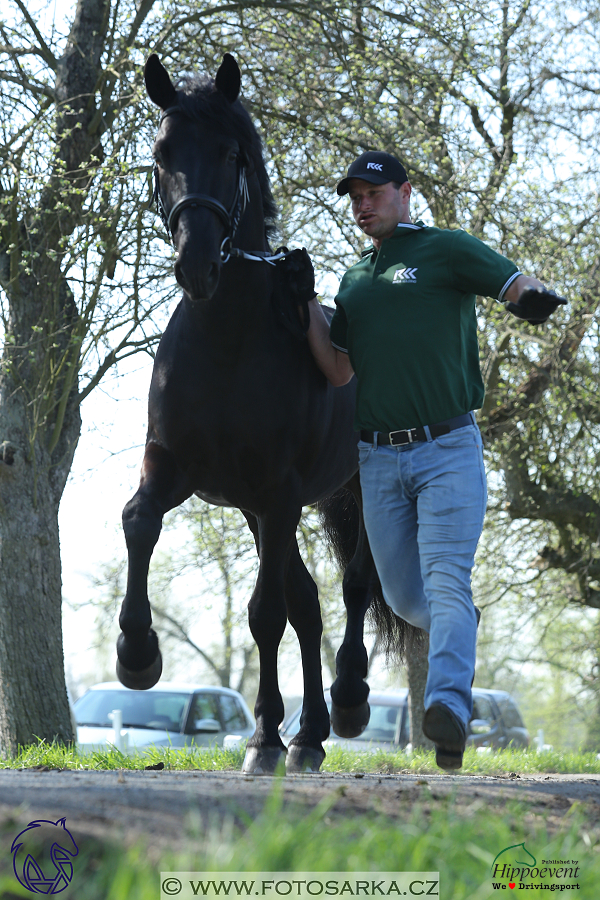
[{"x": 230, "y": 218}]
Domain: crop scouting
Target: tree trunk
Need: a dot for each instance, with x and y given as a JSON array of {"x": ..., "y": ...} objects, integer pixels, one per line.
[
  {"x": 33, "y": 696},
  {"x": 417, "y": 651},
  {"x": 39, "y": 405}
]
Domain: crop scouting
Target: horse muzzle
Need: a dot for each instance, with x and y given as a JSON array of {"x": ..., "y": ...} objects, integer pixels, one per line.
[{"x": 198, "y": 277}]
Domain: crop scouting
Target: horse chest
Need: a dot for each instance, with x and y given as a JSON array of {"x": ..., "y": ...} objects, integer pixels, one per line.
[{"x": 262, "y": 397}]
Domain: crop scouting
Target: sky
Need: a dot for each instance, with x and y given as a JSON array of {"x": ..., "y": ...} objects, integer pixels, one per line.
[{"x": 104, "y": 476}]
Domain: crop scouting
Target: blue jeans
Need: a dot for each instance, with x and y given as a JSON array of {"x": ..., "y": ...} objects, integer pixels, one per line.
[{"x": 424, "y": 505}]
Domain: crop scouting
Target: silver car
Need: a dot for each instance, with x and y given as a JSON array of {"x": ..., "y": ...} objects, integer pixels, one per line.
[
  {"x": 388, "y": 727},
  {"x": 496, "y": 722},
  {"x": 167, "y": 715}
]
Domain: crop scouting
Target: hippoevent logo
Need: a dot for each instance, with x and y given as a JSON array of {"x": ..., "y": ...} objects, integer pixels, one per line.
[
  {"x": 42, "y": 855},
  {"x": 516, "y": 869}
]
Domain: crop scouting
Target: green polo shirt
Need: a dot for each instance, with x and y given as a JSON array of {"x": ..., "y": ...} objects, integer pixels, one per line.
[{"x": 406, "y": 317}]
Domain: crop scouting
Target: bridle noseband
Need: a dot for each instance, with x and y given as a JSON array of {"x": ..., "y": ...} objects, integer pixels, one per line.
[{"x": 230, "y": 218}]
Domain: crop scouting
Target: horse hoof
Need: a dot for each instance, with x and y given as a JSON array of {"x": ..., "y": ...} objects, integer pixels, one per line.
[
  {"x": 140, "y": 681},
  {"x": 350, "y": 721},
  {"x": 264, "y": 761},
  {"x": 302, "y": 760}
]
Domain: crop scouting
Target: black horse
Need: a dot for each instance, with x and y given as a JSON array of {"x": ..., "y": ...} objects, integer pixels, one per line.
[{"x": 240, "y": 415}]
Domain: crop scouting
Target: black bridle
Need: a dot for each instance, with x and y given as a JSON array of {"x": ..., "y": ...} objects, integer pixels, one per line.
[{"x": 230, "y": 217}]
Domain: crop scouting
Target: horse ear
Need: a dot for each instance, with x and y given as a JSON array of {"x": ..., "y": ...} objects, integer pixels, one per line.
[
  {"x": 158, "y": 84},
  {"x": 228, "y": 78}
]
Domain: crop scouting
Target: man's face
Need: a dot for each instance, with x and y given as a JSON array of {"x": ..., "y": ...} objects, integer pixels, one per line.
[{"x": 377, "y": 208}]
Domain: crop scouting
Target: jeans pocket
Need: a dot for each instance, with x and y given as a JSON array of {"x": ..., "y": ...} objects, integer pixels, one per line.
[
  {"x": 364, "y": 451},
  {"x": 467, "y": 436}
]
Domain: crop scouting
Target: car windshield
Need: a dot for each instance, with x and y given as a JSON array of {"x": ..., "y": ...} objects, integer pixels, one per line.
[
  {"x": 383, "y": 723},
  {"x": 141, "y": 709}
]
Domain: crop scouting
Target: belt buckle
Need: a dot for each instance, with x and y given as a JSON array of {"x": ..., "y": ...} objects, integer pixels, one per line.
[{"x": 404, "y": 431}]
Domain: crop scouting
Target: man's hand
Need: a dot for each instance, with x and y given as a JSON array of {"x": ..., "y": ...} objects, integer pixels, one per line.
[
  {"x": 297, "y": 281},
  {"x": 299, "y": 275},
  {"x": 535, "y": 304}
]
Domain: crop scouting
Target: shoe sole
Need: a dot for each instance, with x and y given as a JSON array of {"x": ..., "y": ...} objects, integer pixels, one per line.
[
  {"x": 442, "y": 727},
  {"x": 446, "y": 759}
]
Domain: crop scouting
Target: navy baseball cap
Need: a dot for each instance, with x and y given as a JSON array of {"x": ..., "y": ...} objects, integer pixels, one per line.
[{"x": 374, "y": 166}]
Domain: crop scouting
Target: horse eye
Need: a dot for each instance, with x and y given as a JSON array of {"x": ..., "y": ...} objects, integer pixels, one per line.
[
  {"x": 233, "y": 156},
  {"x": 158, "y": 157}
]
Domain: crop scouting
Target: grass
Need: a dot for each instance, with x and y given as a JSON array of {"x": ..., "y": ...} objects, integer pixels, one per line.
[
  {"x": 458, "y": 839},
  {"x": 459, "y": 843},
  {"x": 338, "y": 760}
]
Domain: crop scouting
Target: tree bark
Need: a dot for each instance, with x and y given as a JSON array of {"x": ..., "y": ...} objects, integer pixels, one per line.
[
  {"x": 33, "y": 695},
  {"x": 416, "y": 662}
]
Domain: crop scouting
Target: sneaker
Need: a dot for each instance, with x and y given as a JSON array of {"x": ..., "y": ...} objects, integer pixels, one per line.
[{"x": 448, "y": 734}]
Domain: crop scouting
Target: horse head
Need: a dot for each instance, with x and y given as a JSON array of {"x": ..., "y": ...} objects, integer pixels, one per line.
[{"x": 206, "y": 155}]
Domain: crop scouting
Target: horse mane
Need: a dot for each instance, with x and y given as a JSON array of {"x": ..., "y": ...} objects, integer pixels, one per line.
[{"x": 200, "y": 100}]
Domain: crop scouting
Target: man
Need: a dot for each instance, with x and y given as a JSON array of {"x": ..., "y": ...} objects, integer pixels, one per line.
[{"x": 405, "y": 324}]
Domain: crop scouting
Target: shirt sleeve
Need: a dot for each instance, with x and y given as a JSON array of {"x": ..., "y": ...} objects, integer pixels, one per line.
[
  {"x": 338, "y": 330},
  {"x": 477, "y": 269}
]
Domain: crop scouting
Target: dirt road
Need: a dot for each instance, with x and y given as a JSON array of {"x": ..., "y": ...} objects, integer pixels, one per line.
[{"x": 159, "y": 805}]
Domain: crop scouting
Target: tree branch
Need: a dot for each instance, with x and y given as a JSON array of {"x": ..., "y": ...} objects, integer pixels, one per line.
[
  {"x": 39, "y": 90},
  {"x": 45, "y": 50}
]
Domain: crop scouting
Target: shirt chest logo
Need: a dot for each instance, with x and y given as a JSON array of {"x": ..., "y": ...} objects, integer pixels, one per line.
[{"x": 405, "y": 276}]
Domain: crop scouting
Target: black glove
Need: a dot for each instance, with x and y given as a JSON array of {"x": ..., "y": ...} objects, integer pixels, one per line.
[
  {"x": 299, "y": 275},
  {"x": 535, "y": 305}
]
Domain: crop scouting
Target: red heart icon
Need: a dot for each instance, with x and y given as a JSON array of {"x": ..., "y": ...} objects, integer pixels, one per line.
[{"x": 511, "y": 886}]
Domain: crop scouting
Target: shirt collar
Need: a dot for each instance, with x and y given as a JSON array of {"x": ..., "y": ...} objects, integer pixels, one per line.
[{"x": 402, "y": 229}]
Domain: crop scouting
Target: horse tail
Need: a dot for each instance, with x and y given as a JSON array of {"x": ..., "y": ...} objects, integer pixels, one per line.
[{"x": 340, "y": 519}]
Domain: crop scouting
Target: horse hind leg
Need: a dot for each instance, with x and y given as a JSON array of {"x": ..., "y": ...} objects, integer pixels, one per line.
[
  {"x": 305, "y": 750},
  {"x": 139, "y": 662}
]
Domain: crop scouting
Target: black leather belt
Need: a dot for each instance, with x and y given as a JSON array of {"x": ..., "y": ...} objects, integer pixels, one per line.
[{"x": 413, "y": 435}]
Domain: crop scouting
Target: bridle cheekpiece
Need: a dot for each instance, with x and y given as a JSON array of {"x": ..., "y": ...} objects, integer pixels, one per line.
[{"x": 230, "y": 217}]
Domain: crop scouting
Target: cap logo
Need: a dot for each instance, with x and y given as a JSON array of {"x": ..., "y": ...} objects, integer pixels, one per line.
[{"x": 377, "y": 166}]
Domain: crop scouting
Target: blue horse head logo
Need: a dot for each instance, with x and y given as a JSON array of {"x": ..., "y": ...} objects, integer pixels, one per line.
[{"x": 50, "y": 870}]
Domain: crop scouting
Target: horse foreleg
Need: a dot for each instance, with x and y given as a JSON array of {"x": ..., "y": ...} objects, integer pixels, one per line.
[
  {"x": 274, "y": 532},
  {"x": 349, "y": 692},
  {"x": 139, "y": 664},
  {"x": 305, "y": 751}
]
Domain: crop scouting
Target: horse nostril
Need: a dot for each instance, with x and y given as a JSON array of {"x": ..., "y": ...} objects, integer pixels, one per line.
[
  {"x": 212, "y": 277},
  {"x": 199, "y": 280},
  {"x": 180, "y": 276}
]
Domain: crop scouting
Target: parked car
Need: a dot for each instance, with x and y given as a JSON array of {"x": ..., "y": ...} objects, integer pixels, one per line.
[
  {"x": 169, "y": 714},
  {"x": 496, "y": 722},
  {"x": 388, "y": 727}
]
